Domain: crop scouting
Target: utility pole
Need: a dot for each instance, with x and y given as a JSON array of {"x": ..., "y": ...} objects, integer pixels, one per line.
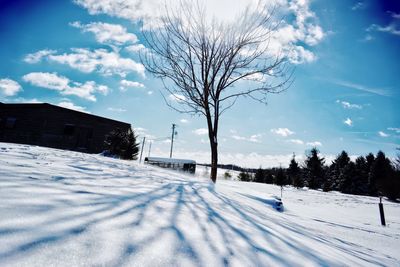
[
  {"x": 172, "y": 139},
  {"x": 149, "y": 149},
  {"x": 141, "y": 151}
]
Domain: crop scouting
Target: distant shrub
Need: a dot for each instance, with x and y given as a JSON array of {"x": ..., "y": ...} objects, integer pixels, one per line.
[
  {"x": 227, "y": 175},
  {"x": 245, "y": 177}
]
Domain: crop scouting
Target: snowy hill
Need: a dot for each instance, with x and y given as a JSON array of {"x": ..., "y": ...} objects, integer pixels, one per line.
[{"x": 62, "y": 208}]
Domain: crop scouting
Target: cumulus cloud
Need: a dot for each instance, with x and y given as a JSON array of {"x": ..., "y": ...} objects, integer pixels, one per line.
[
  {"x": 38, "y": 56},
  {"x": 125, "y": 84},
  {"x": 289, "y": 37},
  {"x": 70, "y": 105},
  {"x": 64, "y": 85},
  {"x": 314, "y": 144},
  {"x": 106, "y": 33},
  {"x": 200, "y": 131},
  {"x": 296, "y": 141},
  {"x": 348, "y": 105},
  {"x": 120, "y": 110},
  {"x": 100, "y": 60},
  {"x": 383, "y": 134},
  {"x": 358, "y": 6},
  {"x": 390, "y": 28},
  {"x": 255, "y": 138},
  {"x": 9, "y": 87},
  {"x": 136, "y": 48},
  {"x": 185, "y": 121},
  {"x": 282, "y": 132},
  {"x": 397, "y": 130},
  {"x": 348, "y": 122}
]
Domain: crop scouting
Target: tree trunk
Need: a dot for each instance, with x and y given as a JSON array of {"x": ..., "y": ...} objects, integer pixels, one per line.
[{"x": 214, "y": 160}]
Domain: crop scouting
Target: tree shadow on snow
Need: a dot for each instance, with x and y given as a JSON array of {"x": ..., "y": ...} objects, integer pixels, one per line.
[{"x": 200, "y": 220}]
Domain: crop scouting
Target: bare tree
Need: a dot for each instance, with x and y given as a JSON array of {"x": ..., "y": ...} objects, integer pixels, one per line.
[{"x": 201, "y": 62}]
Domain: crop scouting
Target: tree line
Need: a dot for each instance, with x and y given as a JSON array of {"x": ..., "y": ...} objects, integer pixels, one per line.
[{"x": 373, "y": 175}]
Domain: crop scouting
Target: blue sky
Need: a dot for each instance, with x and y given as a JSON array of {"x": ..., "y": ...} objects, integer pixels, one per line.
[{"x": 83, "y": 54}]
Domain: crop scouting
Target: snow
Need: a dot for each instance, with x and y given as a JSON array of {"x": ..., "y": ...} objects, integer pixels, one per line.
[{"x": 61, "y": 208}]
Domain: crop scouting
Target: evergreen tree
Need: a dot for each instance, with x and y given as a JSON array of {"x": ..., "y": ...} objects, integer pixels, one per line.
[
  {"x": 397, "y": 161},
  {"x": 280, "y": 178},
  {"x": 259, "y": 176},
  {"x": 269, "y": 178},
  {"x": 341, "y": 174},
  {"x": 347, "y": 178},
  {"x": 244, "y": 177},
  {"x": 122, "y": 144},
  {"x": 361, "y": 176},
  {"x": 314, "y": 169},
  {"x": 381, "y": 170},
  {"x": 294, "y": 173},
  {"x": 384, "y": 179}
]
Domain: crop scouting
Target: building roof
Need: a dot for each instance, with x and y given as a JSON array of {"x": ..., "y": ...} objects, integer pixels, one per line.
[
  {"x": 171, "y": 160},
  {"x": 38, "y": 105}
]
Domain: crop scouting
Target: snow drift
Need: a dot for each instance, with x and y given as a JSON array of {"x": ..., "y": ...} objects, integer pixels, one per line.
[{"x": 70, "y": 209}]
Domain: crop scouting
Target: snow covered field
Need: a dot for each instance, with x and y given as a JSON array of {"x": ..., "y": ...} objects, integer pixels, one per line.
[{"x": 61, "y": 208}]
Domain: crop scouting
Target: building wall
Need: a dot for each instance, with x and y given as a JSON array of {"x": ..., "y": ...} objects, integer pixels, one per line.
[{"x": 53, "y": 126}]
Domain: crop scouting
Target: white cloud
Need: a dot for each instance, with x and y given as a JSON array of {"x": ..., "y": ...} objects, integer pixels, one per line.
[
  {"x": 101, "y": 60},
  {"x": 136, "y": 48},
  {"x": 282, "y": 132},
  {"x": 289, "y": 38},
  {"x": 348, "y": 122},
  {"x": 383, "y": 134},
  {"x": 368, "y": 38},
  {"x": 377, "y": 91},
  {"x": 125, "y": 84},
  {"x": 390, "y": 28},
  {"x": 394, "y": 15},
  {"x": 26, "y": 100},
  {"x": 201, "y": 131},
  {"x": 150, "y": 92},
  {"x": 358, "y": 5},
  {"x": 64, "y": 85},
  {"x": 47, "y": 80},
  {"x": 177, "y": 97},
  {"x": 315, "y": 143},
  {"x": 106, "y": 33},
  {"x": 255, "y": 138},
  {"x": 116, "y": 109},
  {"x": 9, "y": 87},
  {"x": 185, "y": 121},
  {"x": 70, "y": 105},
  {"x": 397, "y": 130},
  {"x": 348, "y": 105},
  {"x": 296, "y": 141},
  {"x": 38, "y": 56}
]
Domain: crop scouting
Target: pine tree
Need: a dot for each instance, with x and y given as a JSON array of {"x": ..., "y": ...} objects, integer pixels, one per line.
[
  {"x": 380, "y": 170},
  {"x": 314, "y": 169},
  {"x": 280, "y": 178},
  {"x": 361, "y": 177},
  {"x": 340, "y": 178},
  {"x": 383, "y": 178},
  {"x": 269, "y": 178},
  {"x": 294, "y": 173},
  {"x": 122, "y": 144},
  {"x": 259, "y": 176},
  {"x": 245, "y": 177},
  {"x": 397, "y": 161}
]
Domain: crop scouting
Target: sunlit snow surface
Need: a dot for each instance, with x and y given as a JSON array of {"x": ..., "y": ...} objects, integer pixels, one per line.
[{"x": 60, "y": 208}]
